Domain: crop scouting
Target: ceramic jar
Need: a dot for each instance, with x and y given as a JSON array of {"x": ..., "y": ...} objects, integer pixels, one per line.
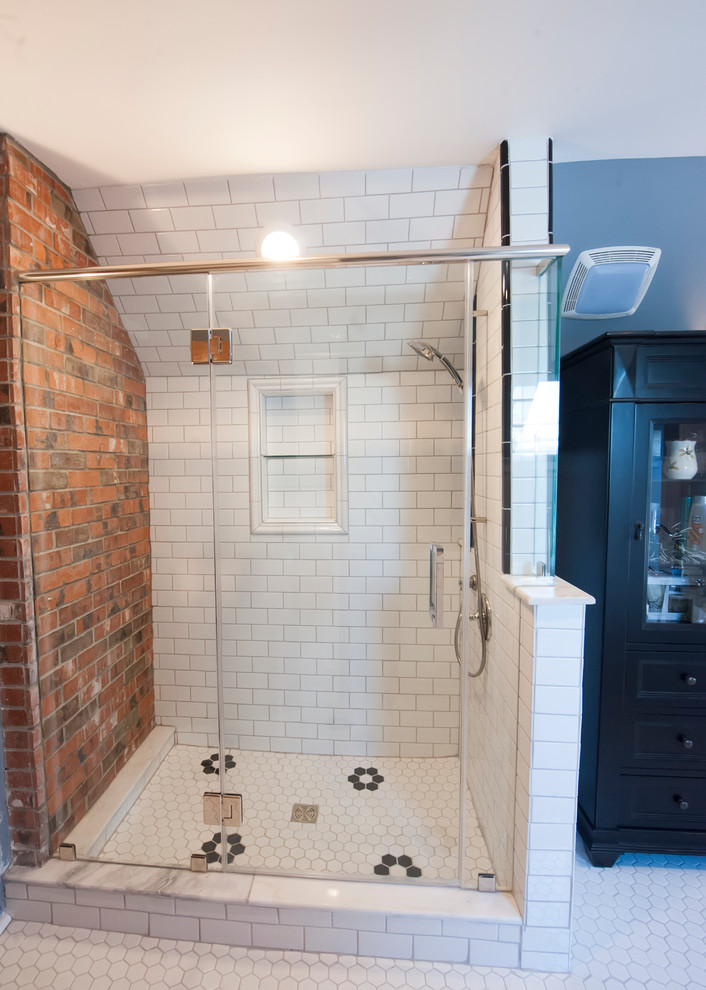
[{"x": 679, "y": 462}]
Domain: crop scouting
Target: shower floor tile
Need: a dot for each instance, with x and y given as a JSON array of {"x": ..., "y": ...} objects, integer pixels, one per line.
[{"x": 380, "y": 818}]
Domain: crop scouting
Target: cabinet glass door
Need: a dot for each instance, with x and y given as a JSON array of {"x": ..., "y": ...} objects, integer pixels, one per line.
[{"x": 674, "y": 565}]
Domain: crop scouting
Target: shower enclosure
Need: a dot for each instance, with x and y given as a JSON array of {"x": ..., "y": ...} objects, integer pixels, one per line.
[{"x": 310, "y": 717}]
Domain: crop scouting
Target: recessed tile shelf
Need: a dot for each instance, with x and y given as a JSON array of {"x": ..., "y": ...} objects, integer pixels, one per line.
[{"x": 298, "y": 455}]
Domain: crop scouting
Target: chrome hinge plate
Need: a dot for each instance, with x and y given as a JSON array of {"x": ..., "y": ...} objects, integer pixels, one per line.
[
  {"x": 486, "y": 882},
  {"x": 222, "y": 808},
  {"x": 221, "y": 351}
]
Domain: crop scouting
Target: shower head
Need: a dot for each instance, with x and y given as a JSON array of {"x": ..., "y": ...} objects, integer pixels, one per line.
[
  {"x": 425, "y": 350},
  {"x": 422, "y": 349}
]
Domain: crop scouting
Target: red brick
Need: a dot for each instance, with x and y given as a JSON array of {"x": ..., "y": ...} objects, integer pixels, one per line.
[{"x": 87, "y": 558}]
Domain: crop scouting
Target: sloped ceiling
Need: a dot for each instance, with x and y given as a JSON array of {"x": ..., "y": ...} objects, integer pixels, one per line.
[
  {"x": 300, "y": 321},
  {"x": 151, "y": 90}
]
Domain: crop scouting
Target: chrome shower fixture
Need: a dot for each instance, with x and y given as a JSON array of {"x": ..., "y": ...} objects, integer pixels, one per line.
[{"x": 425, "y": 350}]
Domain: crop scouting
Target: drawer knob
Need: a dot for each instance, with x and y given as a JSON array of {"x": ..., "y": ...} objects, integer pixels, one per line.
[
  {"x": 683, "y": 805},
  {"x": 686, "y": 743},
  {"x": 690, "y": 679}
]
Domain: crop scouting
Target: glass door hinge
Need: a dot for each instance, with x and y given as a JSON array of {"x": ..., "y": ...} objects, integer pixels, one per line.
[
  {"x": 221, "y": 346},
  {"x": 225, "y": 808},
  {"x": 486, "y": 882}
]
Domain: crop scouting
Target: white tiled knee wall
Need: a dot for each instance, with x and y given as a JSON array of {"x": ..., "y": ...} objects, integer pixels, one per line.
[{"x": 551, "y": 663}]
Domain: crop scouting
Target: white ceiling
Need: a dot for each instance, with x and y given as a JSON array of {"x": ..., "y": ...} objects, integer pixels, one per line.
[{"x": 146, "y": 90}]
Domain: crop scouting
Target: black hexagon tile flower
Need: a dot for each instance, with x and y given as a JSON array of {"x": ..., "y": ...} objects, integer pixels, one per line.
[
  {"x": 209, "y": 765},
  {"x": 389, "y": 861},
  {"x": 372, "y": 784},
  {"x": 235, "y": 847}
]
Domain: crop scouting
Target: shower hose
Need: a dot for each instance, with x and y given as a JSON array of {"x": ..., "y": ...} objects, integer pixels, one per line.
[{"x": 482, "y": 614}]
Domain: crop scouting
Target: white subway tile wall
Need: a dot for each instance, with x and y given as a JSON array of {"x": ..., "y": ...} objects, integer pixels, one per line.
[
  {"x": 365, "y": 321},
  {"x": 328, "y": 647}
]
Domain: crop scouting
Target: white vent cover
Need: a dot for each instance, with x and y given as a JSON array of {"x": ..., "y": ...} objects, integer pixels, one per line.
[{"x": 609, "y": 282}]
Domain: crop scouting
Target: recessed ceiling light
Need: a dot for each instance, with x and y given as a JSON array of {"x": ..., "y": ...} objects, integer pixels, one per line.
[{"x": 279, "y": 245}]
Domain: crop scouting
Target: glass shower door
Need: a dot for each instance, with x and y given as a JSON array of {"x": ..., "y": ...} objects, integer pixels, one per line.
[
  {"x": 338, "y": 460},
  {"x": 171, "y": 823},
  {"x": 303, "y": 457}
]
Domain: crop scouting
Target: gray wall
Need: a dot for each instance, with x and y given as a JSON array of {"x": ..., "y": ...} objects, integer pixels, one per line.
[{"x": 655, "y": 202}]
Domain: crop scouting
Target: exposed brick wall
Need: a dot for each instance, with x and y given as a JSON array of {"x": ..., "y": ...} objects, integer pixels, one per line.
[{"x": 76, "y": 634}]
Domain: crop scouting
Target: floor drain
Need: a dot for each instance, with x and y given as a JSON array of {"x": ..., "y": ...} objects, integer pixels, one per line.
[{"x": 307, "y": 813}]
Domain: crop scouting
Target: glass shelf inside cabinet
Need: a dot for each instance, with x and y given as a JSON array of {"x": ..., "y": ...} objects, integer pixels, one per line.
[{"x": 675, "y": 573}]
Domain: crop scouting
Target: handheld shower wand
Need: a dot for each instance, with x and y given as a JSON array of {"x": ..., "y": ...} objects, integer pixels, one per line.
[{"x": 425, "y": 350}]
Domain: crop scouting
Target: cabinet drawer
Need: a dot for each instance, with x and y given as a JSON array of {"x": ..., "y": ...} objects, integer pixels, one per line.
[
  {"x": 677, "y": 739},
  {"x": 674, "y": 802},
  {"x": 676, "y": 679}
]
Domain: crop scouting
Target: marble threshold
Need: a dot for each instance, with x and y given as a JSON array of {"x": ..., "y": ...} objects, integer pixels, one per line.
[
  {"x": 257, "y": 910},
  {"x": 266, "y": 912}
]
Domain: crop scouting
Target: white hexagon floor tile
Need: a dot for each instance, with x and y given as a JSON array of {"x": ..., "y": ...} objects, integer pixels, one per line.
[
  {"x": 389, "y": 817},
  {"x": 637, "y": 926}
]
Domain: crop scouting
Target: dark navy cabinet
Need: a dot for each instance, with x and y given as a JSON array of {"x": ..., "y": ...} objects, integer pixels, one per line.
[{"x": 631, "y": 531}]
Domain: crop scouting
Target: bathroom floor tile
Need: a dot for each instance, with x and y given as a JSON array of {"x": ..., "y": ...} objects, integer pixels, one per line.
[{"x": 394, "y": 818}]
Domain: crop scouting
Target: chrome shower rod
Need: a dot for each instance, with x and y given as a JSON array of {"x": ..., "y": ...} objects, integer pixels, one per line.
[{"x": 438, "y": 256}]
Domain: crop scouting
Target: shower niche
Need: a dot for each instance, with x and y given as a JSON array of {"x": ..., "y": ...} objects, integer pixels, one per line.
[{"x": 298, "y": 455}]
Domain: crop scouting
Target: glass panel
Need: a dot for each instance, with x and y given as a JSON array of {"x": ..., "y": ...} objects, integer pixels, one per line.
[
  {"x": 120, "y": 473},
  {"x": 339, "y": 459},
  {"x": 530, "y": 503},
  {"x": 675, "y": 571},
  {"x": 490, "y": 674}
]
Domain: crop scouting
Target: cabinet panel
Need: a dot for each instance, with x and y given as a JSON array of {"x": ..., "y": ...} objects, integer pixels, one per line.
[
  {"x": 663, "y": 372},
  {"x": 675, "y": 740},
  {"x": 656, "y": 680},
  {"x": 667, "y": 567},
  {"x": 674, "y": 801}
]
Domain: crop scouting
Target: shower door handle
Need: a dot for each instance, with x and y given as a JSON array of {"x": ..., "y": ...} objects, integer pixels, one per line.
[{"x": 436, "y": 585}]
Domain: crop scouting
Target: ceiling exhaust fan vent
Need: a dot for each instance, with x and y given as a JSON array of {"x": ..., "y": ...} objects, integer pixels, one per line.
[{"x": 609, "y": 282}]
